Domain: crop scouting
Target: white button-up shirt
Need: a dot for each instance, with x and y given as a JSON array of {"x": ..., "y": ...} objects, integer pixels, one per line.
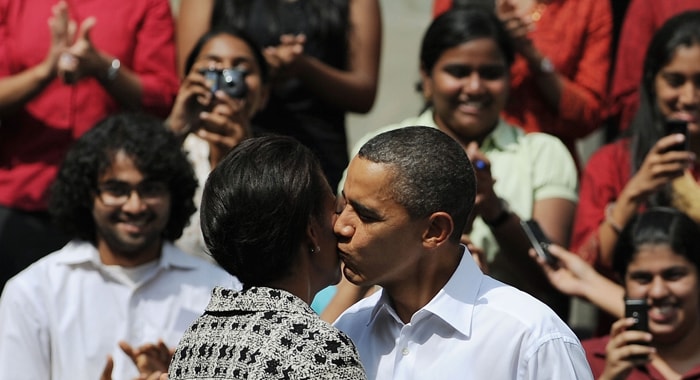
[
  {"x": 474, "y": 328},
  {"x": 62, "y": 316}
]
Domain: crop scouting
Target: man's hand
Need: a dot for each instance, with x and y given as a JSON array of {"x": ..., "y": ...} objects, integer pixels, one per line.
[{"x": 152, "y": 361}]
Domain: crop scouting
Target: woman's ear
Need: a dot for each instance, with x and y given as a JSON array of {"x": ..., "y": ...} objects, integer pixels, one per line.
[
  {"x": 313, "y": 231},
  {"x": 440, "y": 227}
]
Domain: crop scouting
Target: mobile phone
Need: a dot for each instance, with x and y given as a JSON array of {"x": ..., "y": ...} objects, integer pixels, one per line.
[
  {"x": 638, "y": 309},
  {"x": 539, "y": 240},
  {"x": 678, "y": 126}
]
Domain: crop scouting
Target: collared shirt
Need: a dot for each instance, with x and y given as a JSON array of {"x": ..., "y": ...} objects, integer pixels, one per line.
[
  {"x": 474, "y": 328},
  {"x": 527, "y": 168},
  {"x": 595, "y": 352},
  {"x": 263, "y": 333},
  {"x": 62, "y": 316}
]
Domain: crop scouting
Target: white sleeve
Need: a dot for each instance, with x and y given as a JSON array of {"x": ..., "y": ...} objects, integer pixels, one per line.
[
  {"x": 558, "y": 358},
  {"x": 24, "y": 333}
]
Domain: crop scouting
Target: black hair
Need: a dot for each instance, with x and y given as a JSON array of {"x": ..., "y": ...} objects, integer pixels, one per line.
[
  {"x": 431, "y": 172},
  {"x": 657, "y": 226},
  {"x": 257, "y": 204},
  {"x": 156, "y": 153},
  {"x": 233, "y": 32},
  {"x": 461, "y": 25},
  {"x": 329, "y": 19},
  {"x": 647, "y": 127}
]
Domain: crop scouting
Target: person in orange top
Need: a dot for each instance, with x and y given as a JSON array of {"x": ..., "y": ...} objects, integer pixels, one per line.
[{"x": 560, "y": 77}]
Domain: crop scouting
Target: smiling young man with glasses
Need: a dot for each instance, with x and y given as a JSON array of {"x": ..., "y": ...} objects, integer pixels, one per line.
[{"x": 124, "y": 193}]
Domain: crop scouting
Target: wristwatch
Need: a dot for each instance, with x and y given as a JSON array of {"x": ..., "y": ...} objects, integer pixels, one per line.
[
  {"x": 113, "y": 69},
  {"x": 502, "y": 217},
  {"x": 546, "y": 66}
]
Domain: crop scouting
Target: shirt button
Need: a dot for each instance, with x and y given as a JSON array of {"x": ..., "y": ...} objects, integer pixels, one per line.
[{"x": 405, "y": 351}]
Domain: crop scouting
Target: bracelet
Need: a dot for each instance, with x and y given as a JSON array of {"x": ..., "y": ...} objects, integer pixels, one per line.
[
  {"x": 502, "y": 217},
  {"x": 609, "y": 219}
]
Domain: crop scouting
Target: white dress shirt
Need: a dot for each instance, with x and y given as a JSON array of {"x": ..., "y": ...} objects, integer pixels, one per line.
[
  {"x": 474, "y": 328},
  {"x": 62, "y": 316}
]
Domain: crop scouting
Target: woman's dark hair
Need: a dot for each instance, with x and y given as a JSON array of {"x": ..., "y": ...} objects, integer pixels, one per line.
[
  {"x": 328, "y": 19},
  {"x": 461, "y": 25},
  {"x": 257, "y": 204},
  {"x": 647, "y": 127},
  {"x": 233, "y": 32},
  {"x": 657, "y": 226},
  {"x": 156, "y": 153}
]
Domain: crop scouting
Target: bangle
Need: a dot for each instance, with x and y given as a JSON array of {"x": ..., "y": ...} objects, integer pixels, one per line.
[{"x": 609, "y": 219}]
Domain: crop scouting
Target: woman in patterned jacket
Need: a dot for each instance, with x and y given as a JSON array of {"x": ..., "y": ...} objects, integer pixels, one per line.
[{"x": 267, "y": 218}]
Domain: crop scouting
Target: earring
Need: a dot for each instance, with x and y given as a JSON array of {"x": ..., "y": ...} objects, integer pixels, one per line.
[{"x": 314, "y": 250}]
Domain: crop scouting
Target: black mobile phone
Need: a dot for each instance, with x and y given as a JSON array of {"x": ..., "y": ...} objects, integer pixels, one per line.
[
  {"x": 638, "y": 309},
  {"x": 540, "y": 242},
  {"x": 678, "y": 126}
]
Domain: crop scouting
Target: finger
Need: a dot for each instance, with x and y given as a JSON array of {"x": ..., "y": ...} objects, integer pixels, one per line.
[
  {"x": 128, "y": 350},
  {"x": 234, "y": 104},
  {"x": 85, "y": 28},
  {"x": 164, "y": 376},
  {"x": 107, "y": 371}
]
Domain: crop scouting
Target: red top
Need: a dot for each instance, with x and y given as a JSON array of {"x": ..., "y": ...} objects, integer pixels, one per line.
[
  {"x": 575, "y": 35},
  {"x": 595, "y": 353},
  {"x": 34, "y": 140},
  {"x": 603, "y": 179},
  {"x": 642, "y": 19}
]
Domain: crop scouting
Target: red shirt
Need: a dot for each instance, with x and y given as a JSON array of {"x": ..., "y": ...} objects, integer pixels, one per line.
[
  {"x": 34, "y": 140},
  {"x": 575, "y": 35},
  {"x": 642, "y": 19},
  {"x": 603, "y": 179},
  {"x": 595, "y": 353}
]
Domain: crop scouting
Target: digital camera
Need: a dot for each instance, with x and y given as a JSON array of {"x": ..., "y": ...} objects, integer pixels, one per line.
[{"x": 230, "y": 81}]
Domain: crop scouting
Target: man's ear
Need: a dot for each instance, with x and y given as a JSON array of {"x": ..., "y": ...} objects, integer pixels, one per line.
[{"x": 440, "y": 227}]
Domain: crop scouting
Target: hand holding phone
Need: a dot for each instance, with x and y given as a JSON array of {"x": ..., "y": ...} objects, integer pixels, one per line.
[
  {"x": 638, "y": 309},
  {"x": 539, "y": 240}
]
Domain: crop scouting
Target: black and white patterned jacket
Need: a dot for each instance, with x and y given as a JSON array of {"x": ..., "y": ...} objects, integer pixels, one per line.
[{"x": 263, "y": 333}]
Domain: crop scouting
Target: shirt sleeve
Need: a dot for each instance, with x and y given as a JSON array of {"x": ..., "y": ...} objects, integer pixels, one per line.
[
  {"x": 558, "y": 358},
  {"x": 24, "y": 337},
  {"x": 600, "y": 185},
  {"x": 582, "y": 96},
  {"x": 154, "y": 58},
  {"x": 555, "y": 175},
  {"x": 637, "y": 31}
]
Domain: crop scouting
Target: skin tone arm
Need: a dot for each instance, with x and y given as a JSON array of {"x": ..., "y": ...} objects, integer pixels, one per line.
[
  {"x": 346, "y": 295},
  {"x": 550, "y": 84},
  {"x": 575, "y": 277},
  {"x": 83, "y": 60},
  {"x": 658, "y": 169},
  {"x": 193, "y": 21},
  {"x": 353, "y": 89},
  {"x": 18, "y": 89}
]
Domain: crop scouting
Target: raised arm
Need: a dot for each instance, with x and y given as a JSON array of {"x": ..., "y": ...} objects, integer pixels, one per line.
[
  {"x": 194, "y": 19},
  {"x": 355, "y": 88}
]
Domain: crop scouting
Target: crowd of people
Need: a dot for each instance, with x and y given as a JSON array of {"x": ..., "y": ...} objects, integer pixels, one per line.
[{"x": 176, "y": 191}]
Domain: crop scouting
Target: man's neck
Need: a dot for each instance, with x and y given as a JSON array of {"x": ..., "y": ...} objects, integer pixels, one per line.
[
  {"x": 109, "y": 256},
  {"x": 418, "y": 289}
]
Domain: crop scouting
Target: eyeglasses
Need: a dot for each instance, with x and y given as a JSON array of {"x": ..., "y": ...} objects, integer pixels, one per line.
[{"x": 117, "y": 193}]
